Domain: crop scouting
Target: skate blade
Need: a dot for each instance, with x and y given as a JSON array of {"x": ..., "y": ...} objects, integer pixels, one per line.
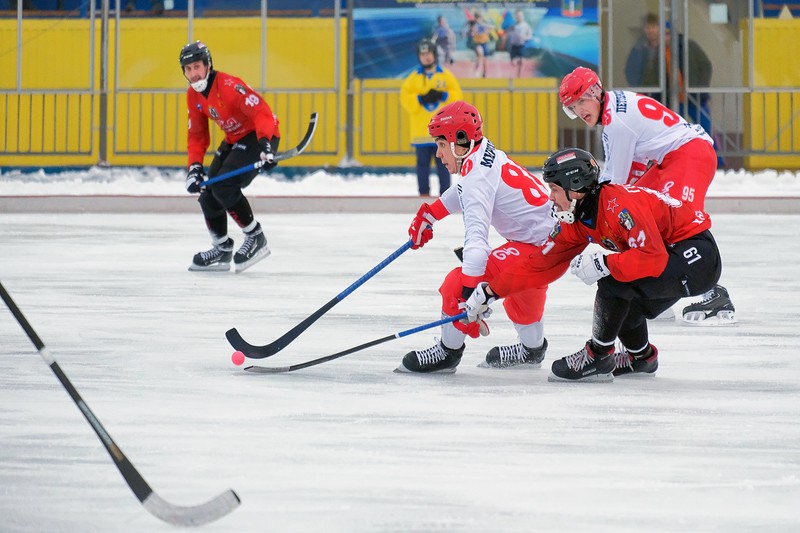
[
  {"x": 403, "y": 370},
  {"x": 218, "y": 267},
  {"x": 261, "y": 254},
  {"x": 484, "y": 364},
  {"x": 597, "y": 378},
  {"x": 698, "y": 318}
]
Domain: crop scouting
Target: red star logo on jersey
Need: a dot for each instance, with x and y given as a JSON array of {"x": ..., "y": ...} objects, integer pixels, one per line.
[
  {"x": 228, "y": 82},
  {"x": 612, "y": 205}
]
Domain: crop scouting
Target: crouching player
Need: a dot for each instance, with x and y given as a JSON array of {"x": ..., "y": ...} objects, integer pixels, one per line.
[
  {"x": 662, "y": 251},
  {"x": 492, "y": 191}
]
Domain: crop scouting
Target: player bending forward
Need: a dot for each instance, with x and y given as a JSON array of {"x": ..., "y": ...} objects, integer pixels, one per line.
[
  {"x": 651, "y": 146},
  {"x": 251, "y": 132},
  {"x": 662, "y": 251},
  {"x": 493, "y": 191}
]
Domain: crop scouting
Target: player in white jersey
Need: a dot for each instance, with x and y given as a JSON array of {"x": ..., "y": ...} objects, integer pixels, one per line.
[
  {"x": 493, "y": 191},
  {"x": 649, "y": 145}
]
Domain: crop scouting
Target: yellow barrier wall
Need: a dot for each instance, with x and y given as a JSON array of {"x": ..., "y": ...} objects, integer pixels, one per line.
[
  {"x": 771, "y": 122},
  {"x": 519, "y": 116},
  {"x": 147, "y": 108}
]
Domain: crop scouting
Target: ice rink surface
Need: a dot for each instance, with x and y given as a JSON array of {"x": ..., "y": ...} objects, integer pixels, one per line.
[{"x": 711, "y": 443}]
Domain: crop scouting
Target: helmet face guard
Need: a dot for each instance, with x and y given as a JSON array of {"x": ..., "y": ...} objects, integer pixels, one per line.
[{"x": 574, "y": 86}]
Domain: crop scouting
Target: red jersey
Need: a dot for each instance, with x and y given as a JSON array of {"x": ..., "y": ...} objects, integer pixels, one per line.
[
  {"x": 637, "y": 223},
  {"x": 234, "y": 106}
]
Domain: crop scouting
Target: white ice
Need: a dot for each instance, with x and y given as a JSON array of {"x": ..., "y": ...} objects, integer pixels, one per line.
[{"x": 711, "y": 443}]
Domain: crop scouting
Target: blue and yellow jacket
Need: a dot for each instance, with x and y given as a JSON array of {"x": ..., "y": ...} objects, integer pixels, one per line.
[{"x": 419, "y": 83}]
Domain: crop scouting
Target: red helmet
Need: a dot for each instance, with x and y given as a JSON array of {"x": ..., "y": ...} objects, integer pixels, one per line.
[
  {"x": 458, "y": 123},
  {"x": 575, "y": 84}
]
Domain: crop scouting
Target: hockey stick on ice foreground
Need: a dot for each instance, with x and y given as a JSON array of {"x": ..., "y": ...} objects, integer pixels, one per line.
[
  {"x": 291, "y": 368},
  {"x": 260, "y": 352},
  {"x": 282, "y": 156},
  {"x": 178, "y": 515}
]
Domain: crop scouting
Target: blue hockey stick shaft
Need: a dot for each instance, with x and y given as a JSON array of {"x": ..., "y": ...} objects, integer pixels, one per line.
[
  {"x": 260, "y": 352},
  {"x": 291, "y": 368}
]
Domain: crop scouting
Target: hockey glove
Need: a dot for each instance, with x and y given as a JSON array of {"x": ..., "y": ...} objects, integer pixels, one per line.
[
  {"x": 267, "y": 154},
  {"x": 421, "y": 229},
  {"x": 589, "y": 267},
  {"x": 477, "y": 306},
  {"x": 195, "y": 178},
  {"x": 431, "y": 97}
]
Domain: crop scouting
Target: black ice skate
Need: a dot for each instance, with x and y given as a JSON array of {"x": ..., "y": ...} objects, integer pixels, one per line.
[
  {"x": 513, "y": 355},
  {"x": 253, "y": 250},
  {"x": 716, "y": 309},
  {"x": 217, "y": 259},
  {"x": 436, "y": 359},
  {"x": 625, "y": 363},
  {"x": 583, "y": 365}
]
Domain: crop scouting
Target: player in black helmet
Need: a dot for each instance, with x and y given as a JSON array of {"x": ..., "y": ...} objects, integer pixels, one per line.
[
  {"x": 661, "y": 251},
  {"x": 251, "y": 133}
]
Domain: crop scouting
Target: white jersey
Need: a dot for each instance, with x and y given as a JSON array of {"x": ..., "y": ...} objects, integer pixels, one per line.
[
  {"x": 638, "y": 129},
  {"x": 495, "y": 191}
]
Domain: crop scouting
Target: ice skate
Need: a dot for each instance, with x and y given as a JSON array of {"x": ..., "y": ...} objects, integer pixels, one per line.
[
  {"x": 515, "y": 355},
  {"x": 716, "y": 309},
  {"x": 253, "y": 250},
  {"x": 625, "y": 363},
  {"x": 583, "y": 366},
  {"x": 217, "y": 259},
  {"x": 436, "y": 359}
]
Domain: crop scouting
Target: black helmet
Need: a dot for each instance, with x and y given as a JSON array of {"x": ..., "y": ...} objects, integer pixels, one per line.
[
  {"x": 426, "y": 45},
  {"x": 196, "y": 51},
  {"x": 572, "y": 169}
]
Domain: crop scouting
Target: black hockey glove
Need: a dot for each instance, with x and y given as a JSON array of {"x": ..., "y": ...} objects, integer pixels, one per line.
[
  {"x": 431, "y": 97},
  {"x": 195, "y": 178},
  {"x": 267, "y": 154}
]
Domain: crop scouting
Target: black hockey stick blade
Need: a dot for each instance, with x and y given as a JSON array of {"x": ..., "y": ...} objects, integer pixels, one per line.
[
  {"x": 304, "y": 142},
  {"x": 260, "y": 352},
  {"x": 291, "y": 368},
  {"x": 178, "y": 515}
]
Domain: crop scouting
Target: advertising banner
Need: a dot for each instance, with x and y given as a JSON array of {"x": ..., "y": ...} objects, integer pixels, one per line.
[{"x": 521, "y": 39}]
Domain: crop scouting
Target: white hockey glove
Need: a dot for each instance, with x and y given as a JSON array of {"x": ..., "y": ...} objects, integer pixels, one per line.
[
  {"x": 477, "y": 307},
  {"x": 589, "y": 267}
]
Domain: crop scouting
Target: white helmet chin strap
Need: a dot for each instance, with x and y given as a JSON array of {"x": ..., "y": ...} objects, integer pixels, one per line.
[
  {"x": 567, "y": 216},
  {"x": 460, "y": 158},
  {"x": 200, "y": 85}
]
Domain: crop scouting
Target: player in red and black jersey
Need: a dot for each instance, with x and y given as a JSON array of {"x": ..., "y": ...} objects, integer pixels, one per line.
[
  {"x": 251, "y": 132},
  {"x": 662, "y": 251}
]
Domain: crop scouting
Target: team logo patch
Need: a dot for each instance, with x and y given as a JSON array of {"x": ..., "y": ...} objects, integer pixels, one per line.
[
  {"x": 213, "y": 113},
  {"x": 626, "y": 220},
  {"x": 240, "y": 89},
  {"x": 199, "y": 107},
  {"x": 566, "y": 157},
  {"x": 609, "y": 244},
  {"x": 556, "y": 231}
]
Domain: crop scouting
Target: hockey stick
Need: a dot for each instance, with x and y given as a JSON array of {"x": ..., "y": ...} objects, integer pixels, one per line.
[
  {"x": 291, "y": 368},
  {"x": 282, "y": 156},
  {"x": 178, "y": 515},
  {"x": 260, "y": 352}
]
